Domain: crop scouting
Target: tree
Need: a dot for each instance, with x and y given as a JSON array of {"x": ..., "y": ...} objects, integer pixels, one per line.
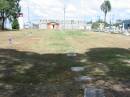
[
  {"x": 106, "y": 7},
  {"x": 4, "y": 5},
  {"x": 15, "y": 24},
  {"x": 9, "y": 10},
  {"x": 96, "y": 25}
]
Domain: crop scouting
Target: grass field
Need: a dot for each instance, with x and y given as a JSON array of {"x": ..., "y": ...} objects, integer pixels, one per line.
[{"x": 34, "y": 63}]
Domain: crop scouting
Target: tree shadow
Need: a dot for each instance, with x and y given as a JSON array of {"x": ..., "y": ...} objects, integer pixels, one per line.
[
  {"x": 113, "y": 66},
  {"x": 29, "y": 74},
  {"x": 116, "y": 60}
]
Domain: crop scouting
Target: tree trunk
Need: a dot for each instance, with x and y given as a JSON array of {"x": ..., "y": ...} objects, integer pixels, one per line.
[
  {"x": 105, "y": 20},
  {"x": 3, "y": 20},
  {"x": 105, "y": 17},
  {"x": 3, "y": 23}
]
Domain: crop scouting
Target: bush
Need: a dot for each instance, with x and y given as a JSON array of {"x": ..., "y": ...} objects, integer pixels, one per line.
[
  {"x": 15, "y": 24},
  {"x": 95, "y": 25}
]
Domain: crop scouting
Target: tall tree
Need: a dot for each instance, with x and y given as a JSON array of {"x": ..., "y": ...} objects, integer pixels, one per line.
[
  {"x": 106, "y": 7},
  {"x": 4, "y": 5},
  {"x": 9, "y": 10}
]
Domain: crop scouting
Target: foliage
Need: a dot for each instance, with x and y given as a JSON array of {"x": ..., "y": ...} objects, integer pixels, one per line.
[
  {"x": 15, "y": 9},
  {"x": 9, "y": 9},
  {"x": 33, "y": 68},
  {"x": 106, "y": 7},
  {"x": 3, "y": 5},
  {"x": 96, "y": 25},
  {"x": 15, "y": 24},
  {"x": 90, "y": 22}
]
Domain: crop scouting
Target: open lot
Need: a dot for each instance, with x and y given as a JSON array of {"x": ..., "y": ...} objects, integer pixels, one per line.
[{"x": 34, "y": 63}]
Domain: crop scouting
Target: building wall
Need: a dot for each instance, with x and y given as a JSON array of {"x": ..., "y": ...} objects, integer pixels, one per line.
[
  {"x": 69, "y": 24},
  {"x": 49, "y": 26},
  {"x": 42, "y": 26},
  {"x": 21, "y": 23},
  {"x": 126, "y": 24},
  {"x": 53, "y": 26}
]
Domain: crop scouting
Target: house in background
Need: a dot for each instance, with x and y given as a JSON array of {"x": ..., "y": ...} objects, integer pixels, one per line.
[
  {"x": 122, "y": 26},
  {"x": 35, "y": 26},
  {"x": 53, "y": 25},
  {"x": 126, "y": 24},
  {"x": 61, "y": 24}
]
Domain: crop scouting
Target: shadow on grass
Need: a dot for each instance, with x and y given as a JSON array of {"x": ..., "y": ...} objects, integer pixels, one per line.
[
  {"x": 116, "y": 61},
  {"x": 113, "y": 66},
  {"x": 29, "y": 74}
]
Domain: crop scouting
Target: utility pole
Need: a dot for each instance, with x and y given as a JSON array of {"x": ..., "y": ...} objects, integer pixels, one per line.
[
  {"x": 64, "y": 14},
  {"x": 83, "y": 12},
  {"x": 28, "y": 7},
  {"x": 110, "y": 21}
]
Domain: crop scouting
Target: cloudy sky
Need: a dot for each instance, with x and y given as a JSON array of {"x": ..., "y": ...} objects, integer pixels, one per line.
[{"x": 75, "y": 9}]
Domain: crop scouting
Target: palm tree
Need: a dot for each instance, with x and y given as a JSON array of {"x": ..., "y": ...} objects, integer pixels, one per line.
[{"x": 106, "y": 7}]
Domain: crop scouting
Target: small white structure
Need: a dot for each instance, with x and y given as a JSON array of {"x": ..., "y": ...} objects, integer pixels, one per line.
[
  {"x": 21, "y": 21},
  {"x": 43, "y": 24},
  {"x": 77, "y": 69},
  {"x": 88, "y": 26}
]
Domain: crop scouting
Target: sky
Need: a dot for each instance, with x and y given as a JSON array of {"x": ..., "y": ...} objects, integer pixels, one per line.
[{"x": 75, "y": 9}]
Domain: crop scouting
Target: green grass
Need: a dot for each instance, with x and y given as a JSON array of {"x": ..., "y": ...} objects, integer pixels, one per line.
[{"x": 39, "y": 67}]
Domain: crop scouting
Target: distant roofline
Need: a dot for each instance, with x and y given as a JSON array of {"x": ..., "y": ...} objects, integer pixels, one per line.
[
  {"x": 53, "y": 23},
  {"x": 126, "y": 21}
]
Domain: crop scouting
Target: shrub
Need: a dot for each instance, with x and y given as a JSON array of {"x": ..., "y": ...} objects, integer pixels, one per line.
[{"x": 15, "y": 24}]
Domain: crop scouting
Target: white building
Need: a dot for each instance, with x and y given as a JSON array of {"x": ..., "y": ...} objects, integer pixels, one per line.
[
  {"x": 43, "y": 24},
  {"x": 69, "y": 24},
  {"x": 21, "y": 21}
]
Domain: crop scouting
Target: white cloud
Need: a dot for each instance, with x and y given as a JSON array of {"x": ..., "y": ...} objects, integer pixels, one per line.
[
  {"x": 71, "y": 8},
  {"x": 74, "y": 8},
  {"x": 120, "y": 3}
]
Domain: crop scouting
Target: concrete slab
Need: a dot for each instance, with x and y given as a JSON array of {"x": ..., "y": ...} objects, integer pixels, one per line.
[
  {"x": 84, "y": 79},
  {"x": 93, "y": 92},
  {"x": 126, "y": 61},
  {"x": 77, "y": 69},
  {"x": 71, "y": 54}
]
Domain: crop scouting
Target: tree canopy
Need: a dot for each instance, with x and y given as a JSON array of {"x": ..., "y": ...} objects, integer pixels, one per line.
[
  {"x": 106, "y": 7},
  {"x": 3, "y": 5},
  {"x": 9, "y": 9}
]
